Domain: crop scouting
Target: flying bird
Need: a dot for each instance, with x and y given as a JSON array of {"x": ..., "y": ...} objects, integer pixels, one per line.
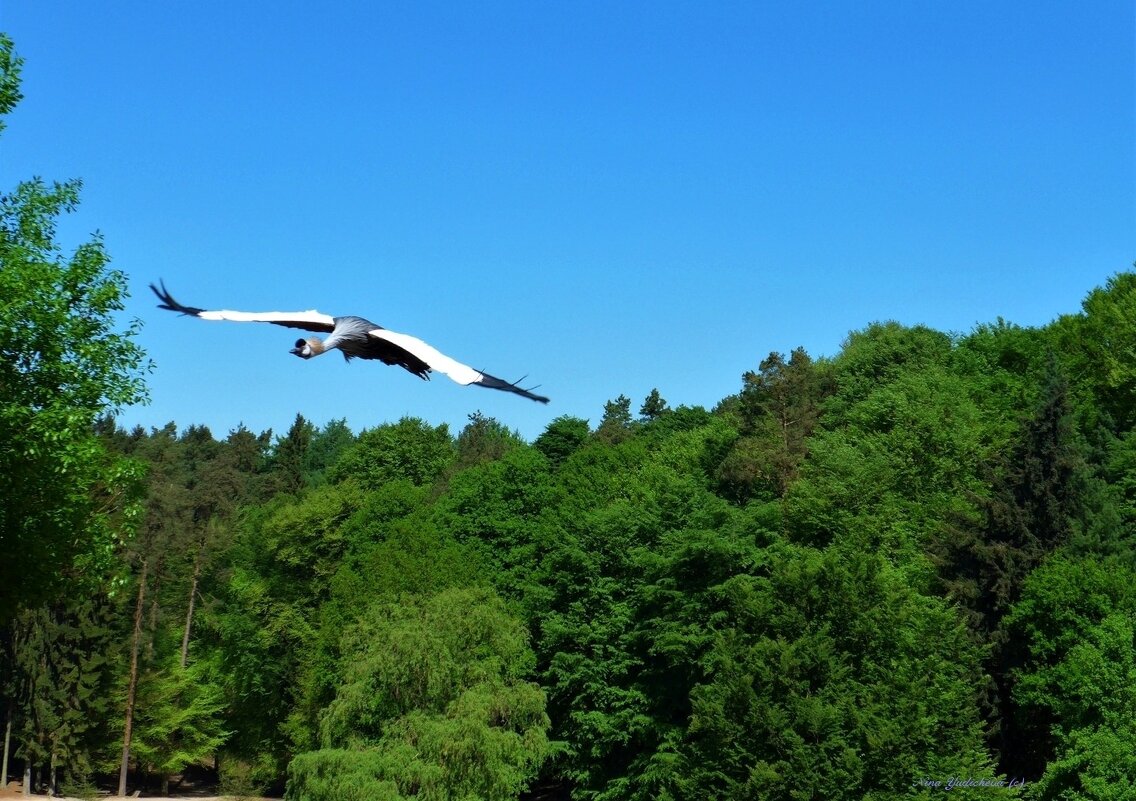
[{"x": 356, "y": 337}]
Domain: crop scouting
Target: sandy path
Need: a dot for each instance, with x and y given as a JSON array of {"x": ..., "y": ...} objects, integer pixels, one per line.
[{"x": 13, "y": 791}]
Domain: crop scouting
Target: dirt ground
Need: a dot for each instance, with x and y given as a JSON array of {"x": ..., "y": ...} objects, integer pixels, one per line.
[{"x": 13, "y": 790}]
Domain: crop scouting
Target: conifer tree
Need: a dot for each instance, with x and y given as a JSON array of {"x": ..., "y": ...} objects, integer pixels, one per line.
[
  {"x": 1036, "y": 498},
  {"x": 653, "y": 407},
  {"x": 615, "y": 425}
]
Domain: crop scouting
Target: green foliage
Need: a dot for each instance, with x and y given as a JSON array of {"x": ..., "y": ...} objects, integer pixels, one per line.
[
  {"x": 83, "y": 789},
  {"x": 1036, "y": 495},
  {"x": 608, "y": 511},
  {"x": 409, "y": 449},
  {"x": 904, "y": 457},
  {"x": 777, "y": 411},
  {"x": 285, "y": 557},
  {"x": 179, "y": 717},
  {"x": 434, "y": 704},
  {"x": 484, "y": 440},
  {"x": 411, "y": 558},
  {"x": 1099, "y": 345},
  {"x": 1095, "y": 764},
  {"x": 827, "y": 679},
  {"x": 338, "y": 774},
  {"x": 494, "y": 505},
  {"x": 10, "y": 68},
  {"x": 423, "y": 655},
  {"x": 61, "y": 679},
  {"x": 62, "y": 364},
  {"x": 615, "y": 425},
  {"x": 1078, "y": 681},
  {"x": 563, "y": 436},
  {"x": 857, "y": 578},
  {"x": 289, "y": 454},
  {"x": 653, "y": 407},
  {"x": 881, "y": 353},
  {"x": 239, "y": 779},
  {"x": 324, "y": 450}
]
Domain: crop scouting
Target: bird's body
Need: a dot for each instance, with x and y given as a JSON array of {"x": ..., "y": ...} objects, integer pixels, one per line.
[
  {"x": 357, "y": 337},
  {"x": 352, "y": 336}
]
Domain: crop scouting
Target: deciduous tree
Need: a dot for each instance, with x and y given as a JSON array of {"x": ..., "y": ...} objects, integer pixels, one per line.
[{"x": 63, "y": 362}]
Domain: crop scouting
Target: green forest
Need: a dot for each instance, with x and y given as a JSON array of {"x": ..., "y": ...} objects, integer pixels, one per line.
[{"x": 902, "y": 570}]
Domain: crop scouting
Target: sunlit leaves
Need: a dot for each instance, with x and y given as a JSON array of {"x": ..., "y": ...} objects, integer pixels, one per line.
[
  {"x": 63, "y": 361},
  {"x": 435, "y": 700}
]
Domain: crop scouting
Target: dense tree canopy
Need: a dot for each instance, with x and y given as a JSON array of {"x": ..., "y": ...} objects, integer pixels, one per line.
[{"x": 866, "y": 576}]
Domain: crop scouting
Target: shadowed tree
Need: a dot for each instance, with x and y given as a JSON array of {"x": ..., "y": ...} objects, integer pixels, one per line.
[
  {"x": 1037, "y": 496},
  {"x": 483, "y": 439},
  {"x": 327, "y": 444},
  {"x": 778, "y": 409},
  {"x": 290, "y": 454},
  {"x": 653, "y": 407}
]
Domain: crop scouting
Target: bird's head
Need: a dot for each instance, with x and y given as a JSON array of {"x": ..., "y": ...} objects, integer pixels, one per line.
[{"x": 307, "y": 348}]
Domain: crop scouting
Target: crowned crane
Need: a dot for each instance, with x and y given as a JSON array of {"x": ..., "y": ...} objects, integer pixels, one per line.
[{"x": 356, "y": 337}]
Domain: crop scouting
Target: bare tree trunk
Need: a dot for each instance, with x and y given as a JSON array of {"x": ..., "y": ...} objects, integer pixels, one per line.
[
  {"x": 27, "y": 776},
  {"x": 152, "y": 626},
  {"x": 132, "y": 687},
  {"x": 7, "y": 749},
  {"x": 51, "y": 777},
  {"x": 192, "y": 598}
]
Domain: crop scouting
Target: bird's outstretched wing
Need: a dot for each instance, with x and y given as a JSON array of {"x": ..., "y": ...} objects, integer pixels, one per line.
[
  {"x": 310, "y": 320},
  {"x": 440, "y": 362}
]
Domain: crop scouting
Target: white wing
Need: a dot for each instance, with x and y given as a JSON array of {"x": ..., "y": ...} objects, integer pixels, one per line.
[
  {"x": 283, "y": 318},
  {"x": 310, "y": 320},
  {"x": 438, "y": 361}
]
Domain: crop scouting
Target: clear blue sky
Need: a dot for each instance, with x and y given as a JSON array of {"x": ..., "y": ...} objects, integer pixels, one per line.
[{"x": 608, "y": 197}]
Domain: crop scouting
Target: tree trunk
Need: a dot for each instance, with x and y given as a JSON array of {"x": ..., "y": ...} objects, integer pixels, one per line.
[
  {"x": 7, "y": 749},
  {"x": 153, "y": 627},
  {"x": 192, "y": 597},
  {"x": 27, "y": 776},
  {"x": 132, "y": 687},
  {"x": 51, "y": 776}
]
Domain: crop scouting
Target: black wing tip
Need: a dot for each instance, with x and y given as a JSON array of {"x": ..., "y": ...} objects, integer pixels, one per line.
[
  {"x": 524, "y": 393},
  {"x": 493, "y": 382},
  {"x": 169, "y": 304},
  {"x": 528, "y": 393}
]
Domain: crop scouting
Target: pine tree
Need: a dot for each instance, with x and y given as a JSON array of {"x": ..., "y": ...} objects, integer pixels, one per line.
[
  {"x": 778, "y": 409},
  {"x": 615, "y": 426},
  {"x": 290, "y": 453},
  {"x": 653, "y": 407},
  {"x": 1036, "y": 497}
]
